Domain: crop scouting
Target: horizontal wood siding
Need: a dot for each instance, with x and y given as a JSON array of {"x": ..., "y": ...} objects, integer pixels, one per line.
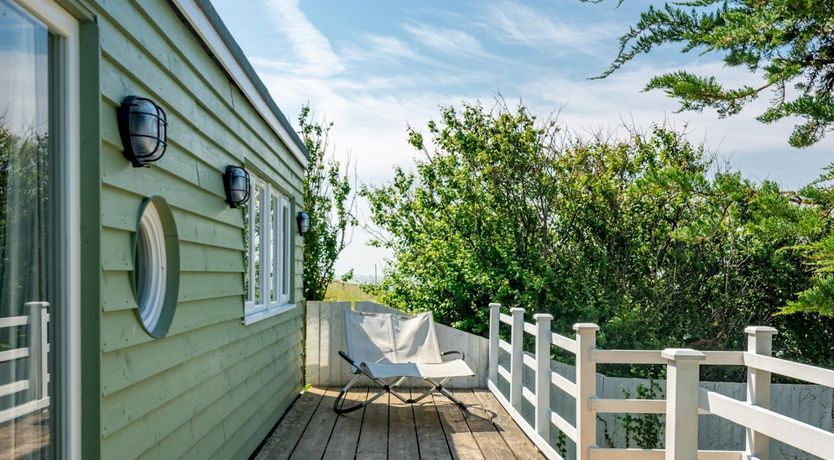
[{"x": 213, "y": 388}]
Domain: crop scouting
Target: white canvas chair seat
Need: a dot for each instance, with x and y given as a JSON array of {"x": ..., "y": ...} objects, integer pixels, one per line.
[
  {"x": 384, "y": 346},
  {"x": 456, "y": 368}
]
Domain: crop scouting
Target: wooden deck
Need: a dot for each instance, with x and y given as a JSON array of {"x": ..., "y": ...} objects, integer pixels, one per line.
[{"x": 433, "y": 428}]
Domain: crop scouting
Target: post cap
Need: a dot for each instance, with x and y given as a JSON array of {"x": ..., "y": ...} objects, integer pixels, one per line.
[
  {"x": 515, "y": 310},
  {"x": 757, "y": 330},
  {"x": 585, "y": 327},
  {"x": 545, "y": 316},
  {"x": 682, "y": 354},
  {"x": 494, "y": 305}
]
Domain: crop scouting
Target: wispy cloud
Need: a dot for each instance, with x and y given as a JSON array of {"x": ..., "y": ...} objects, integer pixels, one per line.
[
  {"x": 381, "y": 48},
  {"x": 375, "y": 82},
  {"x": 522, "y": 24},
  {"x": 449, "y": 41},
  {"x": 308, "y": 44},
  {"x": 390, "y": 46}
]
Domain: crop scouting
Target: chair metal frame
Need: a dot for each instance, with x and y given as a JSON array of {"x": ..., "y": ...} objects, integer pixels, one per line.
[{"x": 388, "y": 387}]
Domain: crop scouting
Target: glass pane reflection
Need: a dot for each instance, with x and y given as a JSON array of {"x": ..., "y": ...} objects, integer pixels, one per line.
[{"x": 24, "y": 242}]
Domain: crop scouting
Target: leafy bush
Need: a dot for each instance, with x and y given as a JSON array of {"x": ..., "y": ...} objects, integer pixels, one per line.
[{"x": 644, "y": 236}]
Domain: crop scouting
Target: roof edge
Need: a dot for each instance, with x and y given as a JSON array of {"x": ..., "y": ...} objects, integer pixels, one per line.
[{"x": 207, "y": 24}]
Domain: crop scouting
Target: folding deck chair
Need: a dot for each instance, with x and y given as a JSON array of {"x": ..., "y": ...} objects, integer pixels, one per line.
[{"x": 388, "y": 348}]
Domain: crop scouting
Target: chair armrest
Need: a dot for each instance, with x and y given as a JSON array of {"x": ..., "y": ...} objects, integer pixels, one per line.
[{"x": 462, "y": 356}]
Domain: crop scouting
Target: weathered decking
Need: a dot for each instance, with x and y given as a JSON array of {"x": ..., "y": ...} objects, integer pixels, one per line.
[{"x": 433, "y": 428}]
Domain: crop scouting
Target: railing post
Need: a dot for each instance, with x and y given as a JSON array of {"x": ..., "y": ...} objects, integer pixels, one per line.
[
  {"x": 494, "y": 321},
  {"x": 682, "y": 392},
  {"x": 543, "y": 340},
  {"x": 586, "y": 385},
  {"x": 759, "y": 341},
  {"x": 37, "y": 349},
  {"x": 516, "y": 357}
]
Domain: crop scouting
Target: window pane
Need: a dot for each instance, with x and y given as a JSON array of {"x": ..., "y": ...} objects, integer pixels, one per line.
[
  {"x": 25, "y": 218},
  {"x": 256, "y": 242},
  {"x": 273, "y": 273},
  {"x": 246, "y": 253},
  {"x": 285, "y": 279}
]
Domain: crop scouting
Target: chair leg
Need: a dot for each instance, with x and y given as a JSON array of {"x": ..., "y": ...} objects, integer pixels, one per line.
[
  {"x": 338, "y": 404},
  {"x": 452, "y": 397},
  {"x": 445, "y": 392}
]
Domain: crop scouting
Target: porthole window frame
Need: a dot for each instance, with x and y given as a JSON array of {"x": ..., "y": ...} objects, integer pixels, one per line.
[{"x": 159, "y": 264}]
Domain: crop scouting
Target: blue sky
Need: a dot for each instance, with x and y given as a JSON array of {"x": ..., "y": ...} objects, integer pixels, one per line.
[{"x": 374, "y": 67}]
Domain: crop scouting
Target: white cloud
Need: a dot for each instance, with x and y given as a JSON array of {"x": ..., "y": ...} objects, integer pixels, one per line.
[
  {"x": 449, "y": 41},
  {"x": 308, "y": 44},
  {"x": 371, "y": 112},
  {"x": 390, "y": 46},
  {"x": 760, "y": 151},
  {"x": 521, "y": 24}
]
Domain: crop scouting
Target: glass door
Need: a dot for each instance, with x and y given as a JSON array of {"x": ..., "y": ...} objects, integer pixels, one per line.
[{"x": 32, "y": 232}]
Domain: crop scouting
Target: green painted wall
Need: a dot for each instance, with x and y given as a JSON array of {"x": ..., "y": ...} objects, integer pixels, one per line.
[{"x": 213, "y": 388}]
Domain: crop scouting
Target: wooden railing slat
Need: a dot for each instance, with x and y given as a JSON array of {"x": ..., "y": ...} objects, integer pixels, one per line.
[
  {"x": 13, "y": 354},
  {"x": 791, "y": 369},
  {"x": 627, "y": 357},
  {"x": 565, "y": 343},
  {"x": 12, "y": 321},
  {"x": 776, "y": 426},
  {"x": 563, "y": 425},
  {"x": 564, "y": 384}
]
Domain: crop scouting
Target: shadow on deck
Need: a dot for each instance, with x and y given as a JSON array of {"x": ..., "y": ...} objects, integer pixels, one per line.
[{"x": 387, "y": 428}]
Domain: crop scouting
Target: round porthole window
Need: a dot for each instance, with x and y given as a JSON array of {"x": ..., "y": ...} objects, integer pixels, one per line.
[{"x": 156, "y": 266}]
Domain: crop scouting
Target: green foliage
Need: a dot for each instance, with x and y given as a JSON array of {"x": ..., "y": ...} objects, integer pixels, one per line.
[
  {"x": 818, "y": 254},
  {"x": 329, "y": 200},
  {"x": 789, "y": 42},
  {"x": 642, "y": 236},
  {"x": 24, "y": 217},
  {"x": 644, "y": 431}
]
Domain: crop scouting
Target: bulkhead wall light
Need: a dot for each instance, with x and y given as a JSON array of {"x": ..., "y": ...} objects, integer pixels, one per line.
[
  {"x": 303, "y": 221},
  {"x": 143, "y": 128},
  {"x": 236, "y": 183}
]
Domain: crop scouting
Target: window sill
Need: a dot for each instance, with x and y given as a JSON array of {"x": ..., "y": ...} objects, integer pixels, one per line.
[{"x": 269, "y": 312}]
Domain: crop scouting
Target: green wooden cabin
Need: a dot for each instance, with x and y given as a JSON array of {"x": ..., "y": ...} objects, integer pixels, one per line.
[{"x": 143, "y": 315}]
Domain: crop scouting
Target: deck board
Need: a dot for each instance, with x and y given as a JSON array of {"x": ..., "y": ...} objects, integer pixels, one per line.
[
  {"x": 480, "y": 422},
  {"x": 512, "y": 434},
  {"x": 389, "y": 428},
  {"x": 462, "y": 444},
  {"x": 430, "y": 435},
  {"x": 402, "y": 434},
  {"x": 314, "y": 440},
  {"x": 373, "y": 439},
  {"x": 281, "y": 443},
  {"x": 345, "y": 437}
]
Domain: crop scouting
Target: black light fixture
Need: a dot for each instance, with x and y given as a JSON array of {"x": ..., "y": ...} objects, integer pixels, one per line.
[
  {"x": 143, "y": 128},
  {"x": 236, "y": 182},
  {"x": 303, "y": 220}
]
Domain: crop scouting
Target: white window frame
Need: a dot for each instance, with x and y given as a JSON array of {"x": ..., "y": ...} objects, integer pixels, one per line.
[
  {"x": 63, "y": 24},
  {"x": 272, "y": 288}
]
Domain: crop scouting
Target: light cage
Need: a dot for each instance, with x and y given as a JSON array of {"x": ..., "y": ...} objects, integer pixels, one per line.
[
  {"x": 236, "y": 183},
  {"x": 143, "y": 128},
  {"x": 303, "y": 221}
]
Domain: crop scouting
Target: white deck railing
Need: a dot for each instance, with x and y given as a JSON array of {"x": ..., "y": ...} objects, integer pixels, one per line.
[
  {"x": 38, "y": 375},
  {"x": 685, "y": 399}
]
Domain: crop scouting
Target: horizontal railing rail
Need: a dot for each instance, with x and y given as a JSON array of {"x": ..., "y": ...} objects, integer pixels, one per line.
[
  {"x": 37, "y": 383},
  {"x": 685, "y": 399}
]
